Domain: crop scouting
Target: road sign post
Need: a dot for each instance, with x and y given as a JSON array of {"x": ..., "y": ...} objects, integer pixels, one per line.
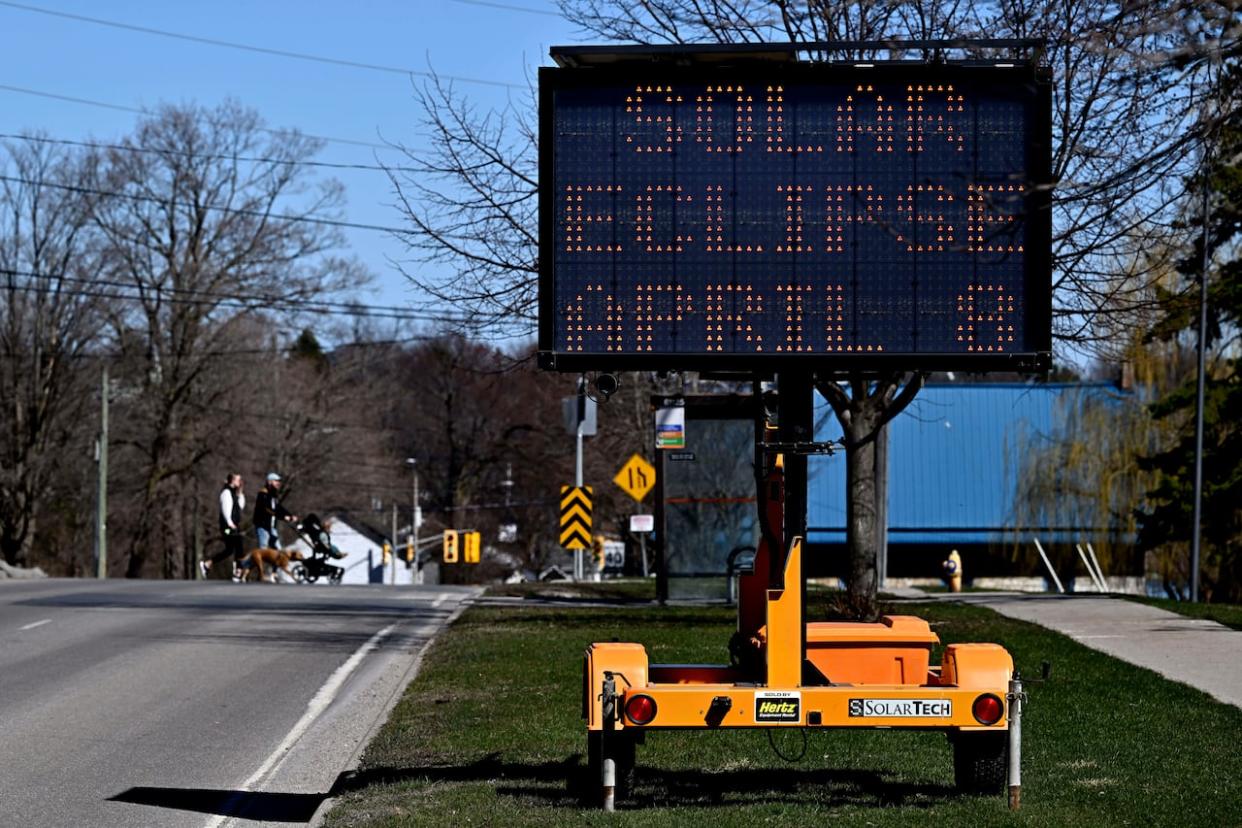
[{"x": 641, "y": 525}]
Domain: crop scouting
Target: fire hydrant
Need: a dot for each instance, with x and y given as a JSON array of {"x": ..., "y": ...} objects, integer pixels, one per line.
[{"x": 953, "y": 571}]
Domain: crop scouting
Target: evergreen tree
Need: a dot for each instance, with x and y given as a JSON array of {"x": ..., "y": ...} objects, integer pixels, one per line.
[{"x": 1167, "y": 521}]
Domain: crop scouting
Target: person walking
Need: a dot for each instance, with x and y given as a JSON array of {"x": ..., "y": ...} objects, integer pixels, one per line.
[
  {"x": 232, "y": 502},
  {"x": 268, "y": 511}
]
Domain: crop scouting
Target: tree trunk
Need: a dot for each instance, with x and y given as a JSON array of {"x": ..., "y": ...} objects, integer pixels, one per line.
[
  {"x": 863, "y": 414},
  {"x": 881, "y": 506},
  {"x": 861, "y": 515}
]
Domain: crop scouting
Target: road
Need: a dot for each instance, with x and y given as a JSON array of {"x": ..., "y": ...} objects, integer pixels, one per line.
[{"x": 196, "y": 704}]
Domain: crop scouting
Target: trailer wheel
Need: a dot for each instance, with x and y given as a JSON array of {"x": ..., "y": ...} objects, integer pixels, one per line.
[
  {"x": 979, "y": 761},
  {"x": 622, "y": 748}
]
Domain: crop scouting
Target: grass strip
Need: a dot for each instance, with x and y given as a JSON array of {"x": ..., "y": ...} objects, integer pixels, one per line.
[
  {"x": 490, "y": 730},
  {"x": 1228, "y": 614}
]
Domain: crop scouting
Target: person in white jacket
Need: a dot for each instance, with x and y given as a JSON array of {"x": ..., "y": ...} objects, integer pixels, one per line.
[{"x": 232, "y": 504}]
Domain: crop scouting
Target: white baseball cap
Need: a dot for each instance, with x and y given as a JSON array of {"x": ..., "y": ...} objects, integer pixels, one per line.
[{"x": 273, "y": 476}]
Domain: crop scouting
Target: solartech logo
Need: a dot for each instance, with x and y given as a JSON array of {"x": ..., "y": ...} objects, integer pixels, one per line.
[
  {"x": 774, "y": 706},
  {"x": 901, "y": 708}
]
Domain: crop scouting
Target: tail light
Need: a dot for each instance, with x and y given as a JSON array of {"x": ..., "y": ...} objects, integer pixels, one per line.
[
  {"x": 640, "y": 709},
  {"x": 988, "y": 709}
]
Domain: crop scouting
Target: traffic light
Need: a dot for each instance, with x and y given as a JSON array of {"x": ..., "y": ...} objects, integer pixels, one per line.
[
  {"x": 473, "y": 542},
  {"x": 387, "y": 552},
  {"x": 450, "y": 546},
  {"x": 409, "y": 551}
]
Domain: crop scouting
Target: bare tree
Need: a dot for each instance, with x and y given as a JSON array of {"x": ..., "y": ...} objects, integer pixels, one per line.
[
  {"x": 203, "y": 242},
  {"x": 1127, "y": 81},
  {"x": 47, "y": 323},
  {"x": 471, "y": 202}
]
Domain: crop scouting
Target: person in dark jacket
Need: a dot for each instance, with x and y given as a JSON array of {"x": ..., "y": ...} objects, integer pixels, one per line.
[
  {"x": 232, "y": 503},
  {"x": 267, "y": 511}
]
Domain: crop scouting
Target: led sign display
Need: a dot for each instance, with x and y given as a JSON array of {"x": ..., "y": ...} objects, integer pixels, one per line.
[{"x": 723, "y": 217}]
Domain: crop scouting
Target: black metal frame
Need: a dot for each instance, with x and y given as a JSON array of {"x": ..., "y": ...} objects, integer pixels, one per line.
[
  {"x": 575, "y": 56},
  {"x": 1038, "y": 297}
]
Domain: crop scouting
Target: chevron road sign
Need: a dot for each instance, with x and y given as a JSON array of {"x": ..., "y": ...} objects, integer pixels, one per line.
[{"x": 576, "y": 516}]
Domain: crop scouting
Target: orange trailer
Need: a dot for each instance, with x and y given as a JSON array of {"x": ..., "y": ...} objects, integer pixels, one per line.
[{"x": 788, "y": 673}]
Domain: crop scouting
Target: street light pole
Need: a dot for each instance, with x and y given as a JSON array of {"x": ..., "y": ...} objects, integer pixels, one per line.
[
  {"x": 1201, "y": 370},
  {"x": 101, "y": 506},
  {"x": 416, "y": 519}
]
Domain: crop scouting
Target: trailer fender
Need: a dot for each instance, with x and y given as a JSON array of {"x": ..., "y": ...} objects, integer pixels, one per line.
[
  {"x": 982, "y": 666},
  {"x": 628, "y": 665}
]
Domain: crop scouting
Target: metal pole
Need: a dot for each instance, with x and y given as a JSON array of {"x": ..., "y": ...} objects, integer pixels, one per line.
[
  {"x": 1090, "y": 572},
  {"x": 1048, "y": 564},
  {"x": 579, "y": 568},
  {"x": 610, "y": 784},
  {"x": 642, "y": 545},
  {"x": 1015, "y": 698},
  {"x": 1199, "y": 383},
  {"x": 101, "y": 509},
  {"x": 393, "y": 556},
  {"x": 196, "y": 571},
  {"x": 416, "y": 520},
  {"x": 608, "y": 766},
  {"x": 1096, "y": 563}
]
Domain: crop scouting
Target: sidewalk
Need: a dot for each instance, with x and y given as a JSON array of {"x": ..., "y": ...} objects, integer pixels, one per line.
[{"x": 1201, "y": 653}]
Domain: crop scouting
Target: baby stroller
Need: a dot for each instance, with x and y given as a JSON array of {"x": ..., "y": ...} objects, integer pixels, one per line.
[{"x": 322, "y": 550}]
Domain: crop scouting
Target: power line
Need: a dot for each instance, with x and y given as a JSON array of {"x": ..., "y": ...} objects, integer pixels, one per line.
[
  {"x": 241, "y": 211},
  {"x": 42, "y": 139},
  {"x": 506, "y": 7},
  {"x": 243, "y": 301},
  {"x": 173, "y": 300},
  {"x": 375, "y": 67},
  {"x": 218, "y": 352},
  {"x": 139, "y": 111}
]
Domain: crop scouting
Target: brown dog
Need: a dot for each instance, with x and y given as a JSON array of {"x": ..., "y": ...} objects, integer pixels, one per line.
[{"x": 274, "y": 559}]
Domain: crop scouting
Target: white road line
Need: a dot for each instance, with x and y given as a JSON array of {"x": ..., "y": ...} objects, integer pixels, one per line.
[
  {"x": 37, "y": 624},
  {"x": 318, "y": 703},
  {"x": 439, "y": 601}
]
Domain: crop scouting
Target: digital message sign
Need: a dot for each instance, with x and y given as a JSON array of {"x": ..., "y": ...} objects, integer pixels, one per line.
[{"x": 720, "y": 217}]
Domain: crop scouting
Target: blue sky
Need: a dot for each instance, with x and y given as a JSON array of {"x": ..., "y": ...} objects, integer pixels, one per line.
[{"x": 72, "y": 58}]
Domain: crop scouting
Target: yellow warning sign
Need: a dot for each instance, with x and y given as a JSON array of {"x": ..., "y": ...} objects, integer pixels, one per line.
[
  {"x": 576, "y": 516},
  {"x": 636, "y": 477}
]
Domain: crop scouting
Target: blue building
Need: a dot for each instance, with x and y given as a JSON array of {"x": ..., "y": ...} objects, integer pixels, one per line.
[{"x": 956, "y": 455}]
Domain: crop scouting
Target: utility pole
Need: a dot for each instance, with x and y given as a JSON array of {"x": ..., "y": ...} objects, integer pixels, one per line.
[
  {"x": 393, "y": 556},
  {"x": 416, "y": 516},
  {"x": 101, "y": 508},
  {"x": 1201, "y": 374}
]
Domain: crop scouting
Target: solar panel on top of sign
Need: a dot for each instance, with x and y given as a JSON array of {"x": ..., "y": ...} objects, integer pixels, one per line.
[{"x": 817, "y": 216}]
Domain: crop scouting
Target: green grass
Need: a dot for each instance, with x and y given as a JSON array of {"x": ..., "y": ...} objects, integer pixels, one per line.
[
  {"x": 1228, "y": 614},
  {"x": 490, "y": 730}
]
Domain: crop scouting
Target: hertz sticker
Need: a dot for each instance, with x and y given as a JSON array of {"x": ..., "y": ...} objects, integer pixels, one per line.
[{"x": 778, "y": 706}]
